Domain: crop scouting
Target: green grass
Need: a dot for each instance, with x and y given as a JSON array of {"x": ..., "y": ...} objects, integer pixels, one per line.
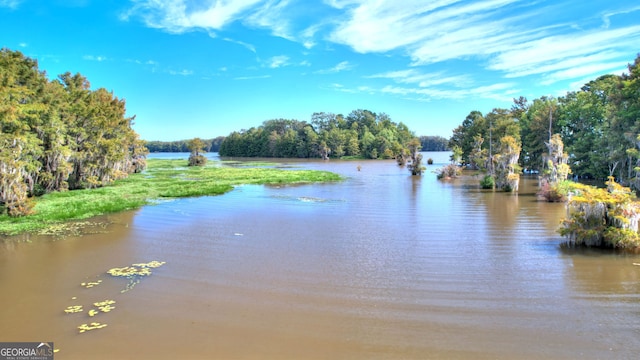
[{"x": 162, "y": 179}]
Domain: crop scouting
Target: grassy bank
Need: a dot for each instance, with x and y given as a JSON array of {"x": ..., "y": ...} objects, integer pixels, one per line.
[{"x": 162, "y": 179}]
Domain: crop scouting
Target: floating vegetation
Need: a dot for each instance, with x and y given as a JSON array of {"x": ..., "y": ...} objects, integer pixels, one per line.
[
  {"x": 91, "y": 284},
  {"x": 105, "y": 306},
  {"x": 93, "y": 326},
  {"x": 134, "y": 272},
  {"x": 73, "y": 309},
  {"x": 129, "y": 271},
  {"x": 152, "y": 264},
  {"x": 72, "y": 228}
]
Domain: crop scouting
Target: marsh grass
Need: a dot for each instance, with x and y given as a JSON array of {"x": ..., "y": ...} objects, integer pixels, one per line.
[{"x": 164, "y": 178}]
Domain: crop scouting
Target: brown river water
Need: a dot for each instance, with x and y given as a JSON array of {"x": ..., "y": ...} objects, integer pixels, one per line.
[{"x": 380, "y": 266}]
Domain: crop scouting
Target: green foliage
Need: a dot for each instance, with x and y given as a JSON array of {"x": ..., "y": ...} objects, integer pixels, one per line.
[
  {"x": 434, "y": 143},
  {"x": 162, "y": 179},
  {"x": 210, "y": 145},
  {"x": 463, "y": 136},
  {"x": 415, "y": 166},
  {"x": 488, "y": 182},
  {"x": 196, "y": 146},
  {"x": 598, "y": 125},
  {"x": 362, "y": 134},
  {"x": 58, "y": 135},
  {"x": 602, "y": 217}
]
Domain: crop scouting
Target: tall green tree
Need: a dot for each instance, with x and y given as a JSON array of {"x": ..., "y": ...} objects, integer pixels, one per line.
[
  {"x": 538, "y": 123},
  {"x": 463, "y": 135},
  {"x": 58, "y": 134}
]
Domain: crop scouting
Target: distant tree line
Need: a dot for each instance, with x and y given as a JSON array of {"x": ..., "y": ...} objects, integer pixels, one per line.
[
  {"x": 598, "y": 125},
  {"x": 434, "y": 143},
  {"x": 210, "y": 145},
  {"x": 58, "y": 135},
  {"x": 361, "y": 134}
]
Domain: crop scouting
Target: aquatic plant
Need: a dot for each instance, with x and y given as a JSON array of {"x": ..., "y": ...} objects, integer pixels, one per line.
[
  {"x": 93, "y": 326},
  {"x": 91, "y": 284},
  {"x": 134, "y": 272},
  {"x": 162, "y": 179},
  {"x": 73, "y": 309}
]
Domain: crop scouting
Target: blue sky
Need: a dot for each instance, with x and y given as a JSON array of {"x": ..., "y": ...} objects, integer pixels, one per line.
[{"x": 207, "y": 68}]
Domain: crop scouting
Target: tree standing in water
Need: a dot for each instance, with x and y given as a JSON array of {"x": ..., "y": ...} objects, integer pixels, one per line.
[
  {"x": 415, "y": 167},
  {"x": 196, "y": 146}
]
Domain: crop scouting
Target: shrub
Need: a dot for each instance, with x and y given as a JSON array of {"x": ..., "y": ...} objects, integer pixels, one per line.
[
  {"x": 487, "y": 182},
  {"x": 197, "y": 160},
  {"x": 449, "y": 171}
]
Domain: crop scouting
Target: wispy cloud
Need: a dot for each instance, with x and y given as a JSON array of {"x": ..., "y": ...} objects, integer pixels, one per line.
[
  {"x": 277, "y": 61},
  {"x": 342, "y": 66},
  {"x": 499, "y": 91},
  {"x": 252, "y": 77},
  {"x": 98, "y": 58},
  {"x": 531, "y": 43},
  {"x": 242, "y": 43},
  {"x": 179, "y": 16},
  {"x": 12, "y": 4},
  {"x": 509, "y": 40},
  {"x": 183, "y": 72},
  {"x": 414, "y": 76}
]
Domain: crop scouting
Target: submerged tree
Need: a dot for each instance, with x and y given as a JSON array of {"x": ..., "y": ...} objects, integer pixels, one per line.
[
  {"x": 196, "y": 146},
  {"x": 602, "y": 217},
  {"x": 415, "y": 158},
  {"x": 507, "y": 170},
  {"x": 555, "y": 170}
]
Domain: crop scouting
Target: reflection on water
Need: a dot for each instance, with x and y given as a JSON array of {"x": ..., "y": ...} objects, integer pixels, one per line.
[{"x": 382, "y": 265}]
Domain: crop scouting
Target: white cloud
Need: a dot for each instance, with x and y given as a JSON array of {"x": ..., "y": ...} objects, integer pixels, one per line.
[
  {"x": 252, "y": 77},
  {"x": 242, "y": 43},
  {"x": 95, "y": 58},
  {"x": 178, "y": 16},
  {"x": 498, "y": 91},
  {"x": 183, "y": 72},
  {"x": 342, "y": 66},
  {"x": 533, "y": 42},
  {"x": 277, "y": 61},
  {"x": 414, "y": 76},
  {"x": 272, "y": 15},
  {"x": 540, "y": 42},
  {"x": 11, "y": 4}
]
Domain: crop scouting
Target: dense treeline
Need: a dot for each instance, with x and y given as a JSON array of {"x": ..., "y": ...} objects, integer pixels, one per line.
[
  {"x": 210, "y": 145},
  {"x": 58, "y": 135},
  {"x": 361, "y": 134},
  {"x": 434, "y": 143},
  {"x": 599, "y": 126}
]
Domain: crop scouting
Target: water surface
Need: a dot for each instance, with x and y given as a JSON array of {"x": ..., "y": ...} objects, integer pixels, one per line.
[{"x": 380, "y": 266}]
